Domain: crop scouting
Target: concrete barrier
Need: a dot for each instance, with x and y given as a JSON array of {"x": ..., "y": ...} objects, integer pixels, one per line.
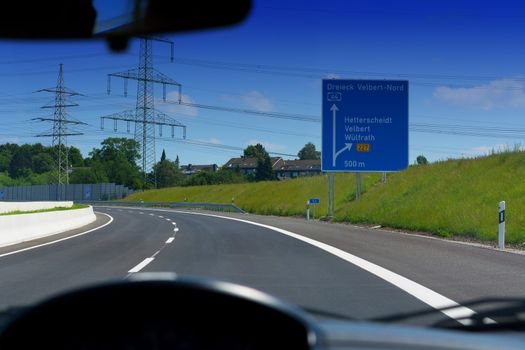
[
  {"x": 7, "y": 207},
  {"x": 25, "y": 227}
]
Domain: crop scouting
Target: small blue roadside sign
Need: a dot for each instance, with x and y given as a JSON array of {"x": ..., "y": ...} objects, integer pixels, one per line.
[
  {"x": 314, "y": 201},
  {"x": 365, "y": 125}
]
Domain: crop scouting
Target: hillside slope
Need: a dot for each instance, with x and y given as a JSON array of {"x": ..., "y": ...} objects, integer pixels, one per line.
[
  {"x": 269, "y": 197},
  {"x": 454, "y": 197}
]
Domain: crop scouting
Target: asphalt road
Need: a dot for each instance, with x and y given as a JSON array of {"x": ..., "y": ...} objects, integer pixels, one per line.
[{"x": 284, "y": 266}]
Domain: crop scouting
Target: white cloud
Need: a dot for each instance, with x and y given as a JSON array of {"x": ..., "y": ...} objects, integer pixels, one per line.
[
  {"x": 187, "y": 111},
  {"x": 269, "y": 146},
  {"x": 497, "y": 93},
  {"x": 486, "y": 150},
  {"x": 333, "y": 76},
  {"x": 211, "y": 140},
  {"x": 256, "y": 100}
]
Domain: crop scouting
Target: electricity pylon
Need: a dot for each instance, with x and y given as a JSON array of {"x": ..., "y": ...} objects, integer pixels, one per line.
[
  {"x": 145, "y": 117},
  {"x": 60, "y": 129}
]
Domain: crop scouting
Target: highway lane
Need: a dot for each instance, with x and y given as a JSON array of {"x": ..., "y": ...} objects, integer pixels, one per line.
[
  {"x": 100, "y": 255},
  {"x": 298, "y": 272}
]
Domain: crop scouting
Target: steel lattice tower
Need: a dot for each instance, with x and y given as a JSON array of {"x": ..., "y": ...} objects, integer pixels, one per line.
[
  {"x": 60, "y": 129},
  {"x": 145, "y": 117}
]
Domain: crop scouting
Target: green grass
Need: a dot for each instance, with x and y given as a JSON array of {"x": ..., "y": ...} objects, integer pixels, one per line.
[
  {"x": 16, "y": 212},
  {"x": 449, "y": 198},
  {"x": 269, "y": 197}
]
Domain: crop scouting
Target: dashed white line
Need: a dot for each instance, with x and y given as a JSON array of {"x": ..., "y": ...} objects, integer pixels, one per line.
[
  {"x": 141, "y": 213},
  {"x": 170, "y": 239},
  {"x": 174, "y": 223},
  {"x": 168, "y": 219},
  {"x": 140, "y": 266},
  {"x": 176, "y": 229},
  {"x": 152, "y": 214},
  {"x": 160, "y": 216}
]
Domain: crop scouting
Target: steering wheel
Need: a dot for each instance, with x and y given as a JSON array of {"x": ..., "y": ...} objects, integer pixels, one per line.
[{"x": 162, "y": 312}]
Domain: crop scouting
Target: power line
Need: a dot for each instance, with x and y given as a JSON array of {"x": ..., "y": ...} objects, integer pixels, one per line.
[{"x": 280, "y": 115}]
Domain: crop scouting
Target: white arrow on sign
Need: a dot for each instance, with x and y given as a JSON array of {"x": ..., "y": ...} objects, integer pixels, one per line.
[{"x": 348, "y": 146}]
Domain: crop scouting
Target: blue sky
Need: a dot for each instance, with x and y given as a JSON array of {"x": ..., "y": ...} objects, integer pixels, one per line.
[{"x": 465, "y": 62}]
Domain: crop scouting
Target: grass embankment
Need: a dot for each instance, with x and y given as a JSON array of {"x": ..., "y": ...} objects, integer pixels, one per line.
[
  {"x": 450, "y": 198},
  {"x": 16, "y": 212},
  {"x": 269, "y": 197},
  {"x": 456, "y": 197}
]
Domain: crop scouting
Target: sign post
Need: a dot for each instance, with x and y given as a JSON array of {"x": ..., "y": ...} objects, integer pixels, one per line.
[
  {"x": 365, "y": 127},
  {"x": 313, "y": 202}
]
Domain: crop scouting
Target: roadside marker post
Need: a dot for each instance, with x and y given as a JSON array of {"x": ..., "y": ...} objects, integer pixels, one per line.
[
  {"x": 307, "y": 210},
  {"x": 501, "y": 226}
]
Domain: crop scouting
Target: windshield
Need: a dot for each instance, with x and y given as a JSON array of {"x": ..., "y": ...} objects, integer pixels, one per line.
[{"x": 359, "y": 159}]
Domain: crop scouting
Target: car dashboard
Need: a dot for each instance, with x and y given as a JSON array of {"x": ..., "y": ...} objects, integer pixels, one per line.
[{"x": 165, "y": 311}]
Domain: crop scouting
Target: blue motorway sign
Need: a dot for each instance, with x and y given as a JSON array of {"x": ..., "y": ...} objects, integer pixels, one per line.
[
  {"x": 314, "y": 201},
  {"x": 365, "y": 125}
]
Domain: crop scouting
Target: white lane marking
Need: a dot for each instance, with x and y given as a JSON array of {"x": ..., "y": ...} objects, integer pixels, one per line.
[
  {"x": 170, "y": 239},
  {"x": 154, "y": 255},
  {"x": 174, "y": 223},
  {"x": 426, "y": 295},
  {"x": 141, "y": 265},
  {"x": 168, "y": 219},
  {"x": 160, "y": 216},
  {"x": 152, "y": 214},
  {"x": 176, "y": 229},
  {"x": 62, "y": 239},
  {"x": 141, "y": 212}
]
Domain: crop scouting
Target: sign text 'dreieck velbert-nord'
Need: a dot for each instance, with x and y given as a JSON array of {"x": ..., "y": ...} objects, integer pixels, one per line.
[
  {"x": 365, "y": 125},
  {"x": 366, "y": 87}
]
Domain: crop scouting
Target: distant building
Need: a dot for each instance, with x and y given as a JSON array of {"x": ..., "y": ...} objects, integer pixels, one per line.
[
  {"x": 284, "y": 169},
  {"x": 248, "y": 166},
  {"x": 191, "y": 169},
  {"x": 296, "y": 168}
]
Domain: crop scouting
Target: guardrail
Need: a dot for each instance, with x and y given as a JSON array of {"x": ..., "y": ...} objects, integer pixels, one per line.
[{"x": 187, "y": 205}]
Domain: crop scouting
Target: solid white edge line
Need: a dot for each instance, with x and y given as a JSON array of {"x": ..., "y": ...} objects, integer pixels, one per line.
[
  {"x": 141, "y": 265},
  {"x": 170, "y": 239},
  {"x": 61, "y": 239},
  {"x": 424, "y": 294}
]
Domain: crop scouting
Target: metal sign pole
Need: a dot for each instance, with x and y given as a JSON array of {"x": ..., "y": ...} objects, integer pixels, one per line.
[
  {"x": 358, "y": 185},
  {"x": 331, "y": 181}
]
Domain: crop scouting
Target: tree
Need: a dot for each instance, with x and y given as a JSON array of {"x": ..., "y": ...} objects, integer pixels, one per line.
[
  {"x": 92, "y": 175},
  {"x": 163, "y": 156},
  {"x": 177, "y": 163},
  {"x": 5, "y": 159},
  {"x": 42, "y": 162},
  {"x": 421, "y": 160},
  {"x": 255, "y": 151},
  {"x": 309, "y": 152},
  {"x": 21, "y": 164},
  {"x": 118, "y": 158},
  {"x": 117, "y": 146},
  {"x": 264, "y": 169},
  {"x": 75, "y": 157},
  {"x": 168, "y": 174}
]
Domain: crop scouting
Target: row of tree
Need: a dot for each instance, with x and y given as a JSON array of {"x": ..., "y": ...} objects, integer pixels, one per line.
[{"x": 116, "y": 161}]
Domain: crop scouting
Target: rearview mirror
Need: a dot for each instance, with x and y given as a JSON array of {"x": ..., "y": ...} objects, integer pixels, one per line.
[{"x": 115, "y": 19}]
